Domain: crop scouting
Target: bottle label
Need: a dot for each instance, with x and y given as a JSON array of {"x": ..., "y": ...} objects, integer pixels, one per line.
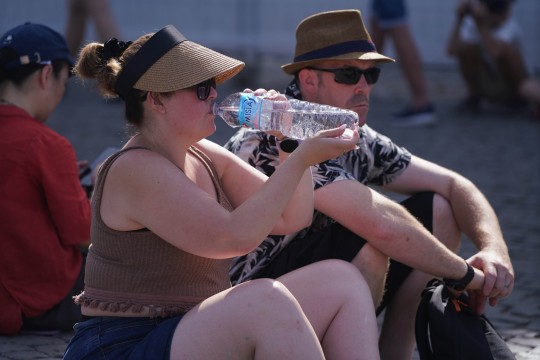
[{"x": 249, "y": 108}]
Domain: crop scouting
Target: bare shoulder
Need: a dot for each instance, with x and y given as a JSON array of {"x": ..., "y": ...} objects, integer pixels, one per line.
[{"x": 221, "y": 157}]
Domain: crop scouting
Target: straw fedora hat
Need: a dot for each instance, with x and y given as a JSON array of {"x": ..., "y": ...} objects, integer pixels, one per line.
[
  {"x": 332, "y": 35},
  {"x": 169, "y": 62}
]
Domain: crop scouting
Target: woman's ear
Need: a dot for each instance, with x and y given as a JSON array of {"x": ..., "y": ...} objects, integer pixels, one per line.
[{"x": 154, "y": 99}]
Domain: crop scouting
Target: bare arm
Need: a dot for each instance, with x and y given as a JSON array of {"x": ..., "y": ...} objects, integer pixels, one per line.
[
  {"x": 299, "y": 211},
  {"x": 389, "y": 227},
  {"x": 493, "y": 46},
  {"x": 474, "y": 215},
  {"x": 186, "y": 214}
]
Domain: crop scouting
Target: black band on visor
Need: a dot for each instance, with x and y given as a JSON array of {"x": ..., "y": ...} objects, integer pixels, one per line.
[{"x": 157, "y": 46}]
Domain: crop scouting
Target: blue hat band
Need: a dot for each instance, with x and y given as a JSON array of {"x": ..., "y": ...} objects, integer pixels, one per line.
[{"x": 338, "y": 49}]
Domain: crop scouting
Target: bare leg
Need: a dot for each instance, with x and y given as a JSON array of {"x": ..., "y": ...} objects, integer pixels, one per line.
[
  {"x": 101, "y": 14},
  {"x": 77, "y": 14},
  {"x": 530, "y": 89},
  {"x": 411, "y": 64},
  {"x": 337, "y": 302},
  {"x": 378, "y": 35},
  {"x": 470, "y": 62},
  {"x": 259, "y": 319},
  {"x": 397, "y": 339},
  {"x": 373, "y": 265},
  {"x": 408, "y": 58},
  {"x": 513, "y": 69}
]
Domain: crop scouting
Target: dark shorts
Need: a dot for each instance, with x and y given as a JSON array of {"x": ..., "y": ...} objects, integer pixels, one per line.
[
  {"x": 332, "y": 242},
  {"x": 122, "y": 338},
  {"x": 389, "y": 13},
  {"x": 337, "y": 242}
]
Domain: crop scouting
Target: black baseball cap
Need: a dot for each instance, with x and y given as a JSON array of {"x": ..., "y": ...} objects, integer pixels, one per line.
[{"x": 34, "y": 44}]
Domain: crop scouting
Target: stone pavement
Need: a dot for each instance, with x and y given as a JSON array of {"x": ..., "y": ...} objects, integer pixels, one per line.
[{"x": 500, "y": 153}]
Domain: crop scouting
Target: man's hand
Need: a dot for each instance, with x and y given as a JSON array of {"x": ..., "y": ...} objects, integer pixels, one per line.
[{"x": 499, "y": 276}]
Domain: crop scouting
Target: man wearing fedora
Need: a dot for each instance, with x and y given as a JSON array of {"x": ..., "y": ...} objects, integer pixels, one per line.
[{"x": 335, "y": 63}]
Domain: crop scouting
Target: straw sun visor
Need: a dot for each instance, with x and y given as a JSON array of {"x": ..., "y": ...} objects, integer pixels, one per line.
[{"x": 185, "y": 65}]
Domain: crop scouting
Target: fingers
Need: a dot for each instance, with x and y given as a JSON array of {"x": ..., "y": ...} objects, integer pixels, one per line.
[
  {"x": 272, "y": 94},
  {"x": 349, "y": 138},
  {"x": 499, "y": 280},
  {"x": 503, "y": 285},
  {"x": 341, "y": 132},
  {"x": 327, "y": 144}
]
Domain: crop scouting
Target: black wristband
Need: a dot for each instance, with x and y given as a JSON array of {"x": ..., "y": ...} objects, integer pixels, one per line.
[
  {"x": 288, "y": 145},
  {"x": 462, "y": 283}
]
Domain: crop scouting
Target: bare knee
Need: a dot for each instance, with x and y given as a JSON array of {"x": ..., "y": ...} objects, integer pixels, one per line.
[
  {"x": 530, "y": 90},
  {"x": 373, "y": 265},
  {"x": 264, "y": 292},
  {"x": 343, "y": 278},
  {"x": 264, "y": 301},
  {"x": 445, "y": 227},
  {"x": 373, "y": 261}
]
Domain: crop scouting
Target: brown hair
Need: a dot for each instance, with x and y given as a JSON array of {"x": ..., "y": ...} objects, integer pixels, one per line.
[{"x": 92, "y": 65}]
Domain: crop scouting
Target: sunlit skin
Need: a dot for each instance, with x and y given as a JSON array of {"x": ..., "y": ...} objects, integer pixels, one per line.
[
  {"x": 199, "y": 113},
  {"x": 320, "y": 87}
]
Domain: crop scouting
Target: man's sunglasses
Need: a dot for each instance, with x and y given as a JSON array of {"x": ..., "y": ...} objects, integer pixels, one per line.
[
  {"x": 203, "y": 88},
  {"x": 351, "y": 75}
]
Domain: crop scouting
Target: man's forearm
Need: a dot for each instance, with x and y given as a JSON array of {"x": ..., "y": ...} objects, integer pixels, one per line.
[{"x": 475, "y": 216}]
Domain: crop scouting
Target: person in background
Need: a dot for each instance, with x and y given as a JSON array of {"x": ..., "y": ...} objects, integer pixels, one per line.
[
  {"x": 169, "y": 214},
  {"x": 79, "y": 12},
  {"x": 337, "y": 64},
  {"x": 530, "y": 90},
  {"x": 487, "y": 43},
  {"x": 44, "y": 212},
  {"x": 390, "y": 20}
]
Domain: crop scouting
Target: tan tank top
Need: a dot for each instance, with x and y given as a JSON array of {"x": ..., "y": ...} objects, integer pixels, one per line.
[{"x": 131, "y": 270}]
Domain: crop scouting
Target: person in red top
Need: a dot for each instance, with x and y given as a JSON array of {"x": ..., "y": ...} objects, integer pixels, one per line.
[{"x": 44, "y": 211}]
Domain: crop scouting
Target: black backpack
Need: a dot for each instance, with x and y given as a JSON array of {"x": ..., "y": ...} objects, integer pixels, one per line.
[{"x": 447, "y": 329}]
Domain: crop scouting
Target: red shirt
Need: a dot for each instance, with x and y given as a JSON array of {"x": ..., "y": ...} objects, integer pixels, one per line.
[{"x": 44, "y": 216}]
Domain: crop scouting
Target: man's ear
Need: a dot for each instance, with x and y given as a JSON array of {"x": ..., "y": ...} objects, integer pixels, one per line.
[{"x": 308, "y": 81}]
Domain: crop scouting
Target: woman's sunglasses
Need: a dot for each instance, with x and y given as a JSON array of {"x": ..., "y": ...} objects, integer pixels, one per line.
[
  {"x": 351, "y": 75},
  {"x": 203, "y": 88}
]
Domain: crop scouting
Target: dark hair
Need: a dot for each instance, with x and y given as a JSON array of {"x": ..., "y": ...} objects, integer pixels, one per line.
[
  {"x": 497, "y": 6},
  {"x": 19, "y": 74}
]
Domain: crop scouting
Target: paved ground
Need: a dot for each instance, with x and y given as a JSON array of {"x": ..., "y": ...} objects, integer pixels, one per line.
[{"x": 500, "y": 153}]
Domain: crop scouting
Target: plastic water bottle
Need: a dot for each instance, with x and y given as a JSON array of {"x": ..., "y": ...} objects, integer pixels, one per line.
[{"x": 294, "y": 118}]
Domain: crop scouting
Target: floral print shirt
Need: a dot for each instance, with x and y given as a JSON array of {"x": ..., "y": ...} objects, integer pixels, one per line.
[{"x": 376, "y": 161}]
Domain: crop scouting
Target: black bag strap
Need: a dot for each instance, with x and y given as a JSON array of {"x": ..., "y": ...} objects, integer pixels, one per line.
[
  {"x": 446, "y": 328},
  {"x": 421, "y": 326}
]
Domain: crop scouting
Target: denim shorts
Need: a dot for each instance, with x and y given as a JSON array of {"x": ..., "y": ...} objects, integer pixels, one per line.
[
  {"x": 122, "y": 338},
  {"x": 389, "y": 13}
]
